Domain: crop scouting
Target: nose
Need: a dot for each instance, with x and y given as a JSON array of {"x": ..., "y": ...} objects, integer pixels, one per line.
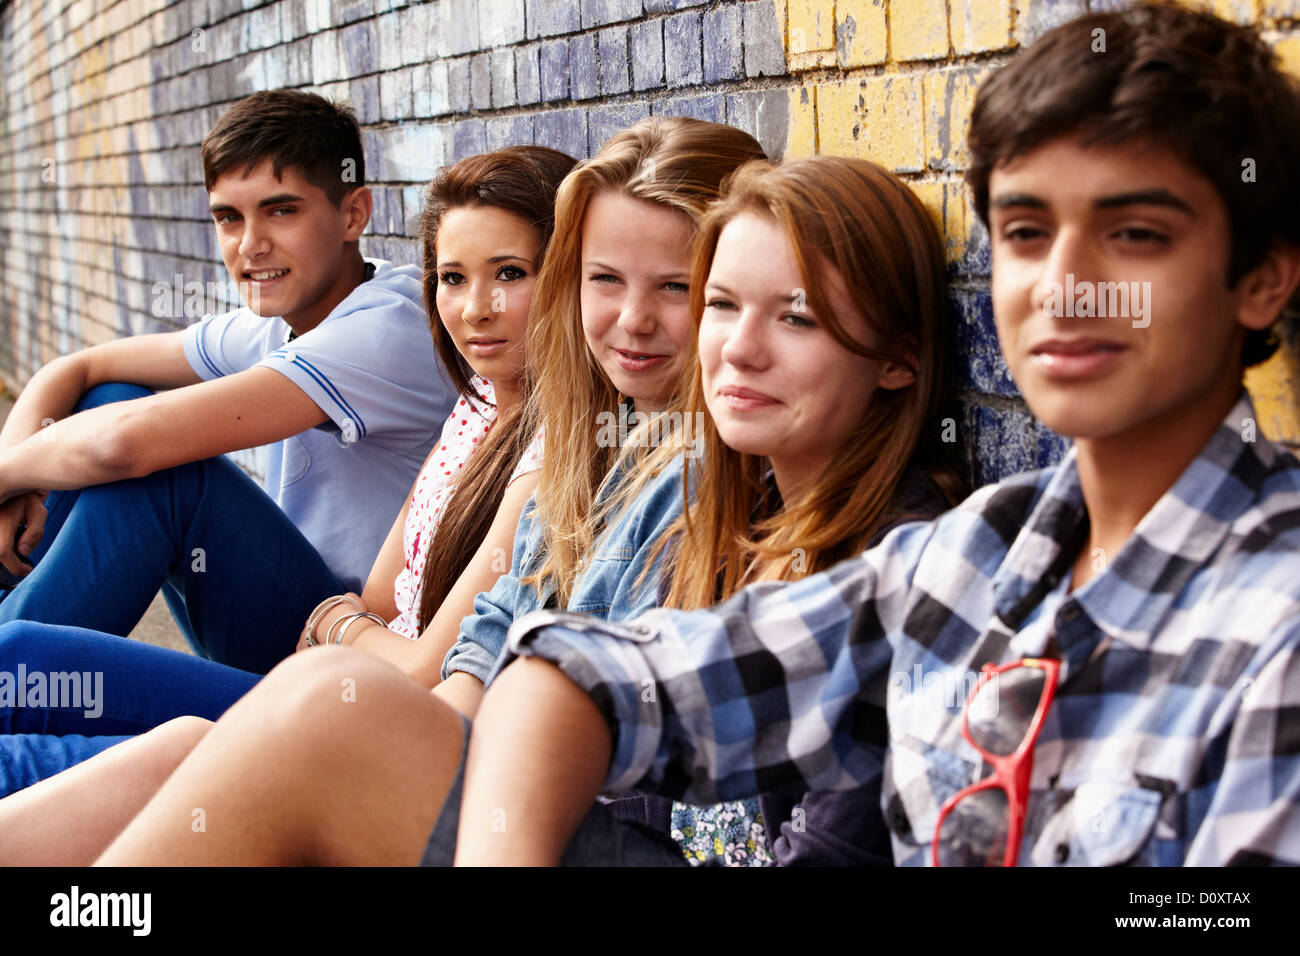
[
  {"x": 253, "y": 243},
  {"x": 1070, "y": 261},
  {"x": 746, "y": 345},
  {"x": 637, "y": 315},
  {"x": 477, "y": 306}
]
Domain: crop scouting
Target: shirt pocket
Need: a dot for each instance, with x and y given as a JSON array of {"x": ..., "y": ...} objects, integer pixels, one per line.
[
  {"x": 296, "y": 461},
  {"x": 919, "y": 778},
  {"x": 1104, "y": 823}
]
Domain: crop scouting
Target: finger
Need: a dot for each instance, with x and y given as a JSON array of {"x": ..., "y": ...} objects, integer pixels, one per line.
[{"x": 35, "y": 530}]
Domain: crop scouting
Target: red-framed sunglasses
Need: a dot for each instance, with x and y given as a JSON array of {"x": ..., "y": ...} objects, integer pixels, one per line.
[{"x": 982, "y": 825}]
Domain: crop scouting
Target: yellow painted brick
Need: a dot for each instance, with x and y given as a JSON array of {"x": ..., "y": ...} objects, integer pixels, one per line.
[
  {"x": 949, "y": 96},
  {"x": 980, "y": 25},
  {"x": 918, "y": 29},
  {"x": 931, "y": 196},
  {"x": 1274, "y": 387},
  {"x": 1288, "y": 50},
  {"x": 878, "y": 118},
  {"x": 861, "y": 32},
  {"x": 1237, "y": 11},
  {"x": 958, "y": 218},
  {"x": 811, "y": 26},
  {"x": 801, "y": 136},
  {"x": 803, "y": 62}
]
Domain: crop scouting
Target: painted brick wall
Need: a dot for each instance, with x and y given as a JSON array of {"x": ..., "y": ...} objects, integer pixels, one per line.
[{"x": 103, "y": 231}]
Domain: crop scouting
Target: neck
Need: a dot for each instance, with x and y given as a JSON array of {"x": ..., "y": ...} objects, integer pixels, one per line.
[
  {"x": 795, "y": 477},
  {"x": 507, "y": 396},
  {"x": 351, "y": 275},
  {"x": 1123, "y": 476}
]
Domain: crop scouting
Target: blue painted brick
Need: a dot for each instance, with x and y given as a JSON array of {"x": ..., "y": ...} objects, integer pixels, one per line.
[
  {"x": 764, "y": 48},
  {"x": 505, "y": 131},
  {"x": 459, "y": 20},
  {"x": 347, "y": 11},
  {"x": 1051, "y": 447},
  {"x": 548, "y": 18},
  {"x": 682, "y": 62},
  {"x": 553, "y": 65},
  {"x": 503, "y": 78},
  {"x": 1043, "y": 15},
  {"x": 480, "y": 82},
  {"x": 468, "y": 139},
  {"x": 612, "y": 44},
  {"x": 647, "y": 54},
  {"x": 982, "y": 369},
  {"x": 597, "y": 13},
  {"x": 604, "y": 121},
  {"x": 565, "y": 130},
  {"x": 668, "y": 6},
  {"x": 363, "y": 96},
  {"x": 711, "y": 107},
  {"x": 763, "y": 114},
  {"x": 1005, "y": 443},
  {"x": 458, "y": 84},
  {"x": 528, "y": 79},
  {"x": 584, "y": 76},
  {"x": 724, "y": 57}
]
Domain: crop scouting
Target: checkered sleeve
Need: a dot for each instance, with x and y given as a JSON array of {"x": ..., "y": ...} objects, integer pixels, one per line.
[
  {"x": 780, "y": 685},
  {"x": 1252, "y": 798}
]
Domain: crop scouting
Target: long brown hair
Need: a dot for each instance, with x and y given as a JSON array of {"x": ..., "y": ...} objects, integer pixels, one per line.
[
  {"x": 675, "y": 162},
  {"x": 522, "y": 180},
  {"x": 856, "y": 218}
]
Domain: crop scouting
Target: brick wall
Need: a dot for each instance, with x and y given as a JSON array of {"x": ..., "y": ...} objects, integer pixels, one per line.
[{"x": 105, "y": 104}]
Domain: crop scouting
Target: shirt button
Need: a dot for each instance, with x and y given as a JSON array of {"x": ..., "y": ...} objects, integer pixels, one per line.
[
  {"x": 1051, "y": 580},
  {"x": 1062, "y": 852}
]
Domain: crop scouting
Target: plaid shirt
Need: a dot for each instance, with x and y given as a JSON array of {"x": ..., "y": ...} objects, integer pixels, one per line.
[{"x": 1174, "y": 737}]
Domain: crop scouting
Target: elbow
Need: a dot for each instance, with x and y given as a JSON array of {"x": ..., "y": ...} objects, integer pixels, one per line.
[{"x": 118, "y": 452}]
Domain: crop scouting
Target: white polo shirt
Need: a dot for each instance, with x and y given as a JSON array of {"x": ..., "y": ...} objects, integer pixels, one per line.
[{"x": 372, "y": 368}]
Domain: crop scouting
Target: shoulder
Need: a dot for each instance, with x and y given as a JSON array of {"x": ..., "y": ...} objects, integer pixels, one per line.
[{"x": 393, "y": 293}]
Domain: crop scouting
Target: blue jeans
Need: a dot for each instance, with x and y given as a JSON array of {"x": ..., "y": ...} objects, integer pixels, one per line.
[
  {"x": 124, "y": 688},
  {"x": 239, "y": 577}
]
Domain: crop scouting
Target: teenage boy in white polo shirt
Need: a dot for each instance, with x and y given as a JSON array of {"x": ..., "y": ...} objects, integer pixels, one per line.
[{"x": 330, "y": 363}]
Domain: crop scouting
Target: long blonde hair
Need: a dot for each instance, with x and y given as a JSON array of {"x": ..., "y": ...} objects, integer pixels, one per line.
[
  {"x": 677, "y": 163},
  {"x": 862, "y": 221}
]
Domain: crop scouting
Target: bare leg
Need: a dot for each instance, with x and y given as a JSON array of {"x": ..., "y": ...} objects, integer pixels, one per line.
[
  {"x": 68, "y": 819},
  {"x": 335, "y": 757}
]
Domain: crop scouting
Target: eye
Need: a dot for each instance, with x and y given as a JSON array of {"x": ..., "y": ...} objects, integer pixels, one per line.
[
  {"x": 798, "y": 321},
  {"x": 676, "y": 287},
  {"x": 602, "y": 277},
  {"x": 510, "y": 273},
  {"x": 1141, "y": 234},
  {"x": 450, "y": 278},
  {"x": 721, "y": 305},
  {"x": 283, "y": 211},
  {"x": 225, "y": 218},
  {"x": 1023, "y": 233}
]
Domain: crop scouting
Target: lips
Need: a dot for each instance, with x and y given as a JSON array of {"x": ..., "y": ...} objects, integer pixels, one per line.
[
  {"x": 1077, "y": 358},
  {"x": 485, "y": 346},
  {"x": 745, "y": 399},
  {"x": 265, "y": 275},
  {"x": 638, "y": 361}
]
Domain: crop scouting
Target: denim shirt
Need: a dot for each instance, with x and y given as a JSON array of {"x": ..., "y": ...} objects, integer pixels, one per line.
[{"x": 609, "y": 587}]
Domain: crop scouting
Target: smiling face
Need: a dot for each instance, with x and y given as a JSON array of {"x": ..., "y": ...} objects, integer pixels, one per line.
[
  {"x": 776, "y": 382},
  {"x": 635, "y": 309},
  {"x": 1066, "y": 218},
  {"x": 289, "y": 248},
  {"x": 487, "y": 270}
]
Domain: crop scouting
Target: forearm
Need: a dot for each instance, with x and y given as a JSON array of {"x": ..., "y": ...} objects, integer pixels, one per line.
[
  {"x": 76, "y": 452},
  {"x": 538, "y": 757},
  {"x": 49, "y": 395}
]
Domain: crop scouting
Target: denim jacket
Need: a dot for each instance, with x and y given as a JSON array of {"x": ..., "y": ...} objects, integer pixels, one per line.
[{"x": 609, "y": 587}]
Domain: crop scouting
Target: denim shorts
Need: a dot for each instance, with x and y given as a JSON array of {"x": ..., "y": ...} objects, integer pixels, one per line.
[{"x": 601, "y": 840}]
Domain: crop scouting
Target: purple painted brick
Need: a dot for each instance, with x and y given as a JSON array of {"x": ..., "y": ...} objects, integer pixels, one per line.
[
  {"x": 548, "y": 18},
  {"x": 612, "y": 44},
  {"x": 565, "y": 130},
  {"x": 358, "y": 49},
  {"x": 982, "y": 368},
  {"x": 668, "y": 6},
  {"x": 468, "y": 139},
  {"x": 363, "y": 96},
  {"x": 503, "y": 78},
  {"x": 584, "y": 75},
  {"x": 346, "y": 11},
  {"x": 683, "y": 65},
  {"x": 711, "y": 107},
  {"x": 480, "y": 82},
  {"x": 528, "y": 79},
  {"x": 505, "y": 131},
  {"x": 1043, "y": 15},
  {"x": 647, "y": 54},
  {"x": 1004, "y": 443},
  {"x": 764, "y": 114},
  {"x": 553, "y": 66},
  {"x": 597, "y": 13},
  {"x": 724, "y": 57},
  {"x": 604, "y": 121},
  {"x": 458, "y": 84}
]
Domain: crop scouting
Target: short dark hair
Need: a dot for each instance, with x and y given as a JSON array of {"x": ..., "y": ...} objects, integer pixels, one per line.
[
  {"x": 291, "y": 128},
  {"x": 1209, "y": 90},
  {"x": 519, "y": 179}
]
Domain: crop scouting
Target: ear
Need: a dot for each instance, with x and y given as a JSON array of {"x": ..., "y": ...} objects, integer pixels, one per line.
[
  {"x": 895, "y": 375},
  {"x": 356, "y": 208},
  {"x": 1263, "y": 292}
]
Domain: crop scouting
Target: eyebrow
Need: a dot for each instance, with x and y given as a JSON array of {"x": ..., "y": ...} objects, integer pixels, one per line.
[
  {"x": 507, "y": 258},
  {"x": 719, "y": 287},
  {"x": 593, "y": 264},
  {"x": 1140, "y": 197},
  {"x": 277, "y": 200}
]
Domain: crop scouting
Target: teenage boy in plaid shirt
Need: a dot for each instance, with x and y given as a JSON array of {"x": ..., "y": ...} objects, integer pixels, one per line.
[{"x": 1156, "y": 563}]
